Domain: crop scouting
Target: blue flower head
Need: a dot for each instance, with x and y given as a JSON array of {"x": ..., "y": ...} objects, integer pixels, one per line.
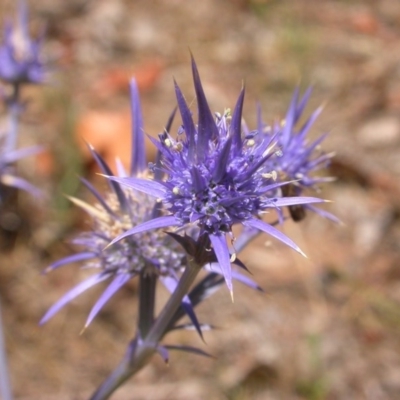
[
  {"x": 216, "y": 177},
  {"x": 297, "y": 159},
  {"x": 117, "y": 211},
  {"x": 19, "y": 54}
]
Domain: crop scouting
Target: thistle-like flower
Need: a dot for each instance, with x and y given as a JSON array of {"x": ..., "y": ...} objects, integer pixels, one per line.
[
  {"x": 297, "y": 158},
  {"x": 215, "y": 178},
  {"x": 119, "y": 210},
  {"x": 20, "y": 60}
]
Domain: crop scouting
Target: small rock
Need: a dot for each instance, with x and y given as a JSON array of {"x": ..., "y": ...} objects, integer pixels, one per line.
[{"x": 380, "y": 132}]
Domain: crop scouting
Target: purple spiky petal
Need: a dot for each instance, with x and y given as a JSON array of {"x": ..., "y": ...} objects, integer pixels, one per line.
[
  {"x": 76, "y": 291},
  {"x": 112, "y": 288},
  {"x": 222, "y": 252},
  {"x": 152, "y": 188},
  {"x": 138, "y": 164},
  {"x": 270, "y": 230},
  {"x": 87, "y": 255},
  {"x": 157, "y": 223}
]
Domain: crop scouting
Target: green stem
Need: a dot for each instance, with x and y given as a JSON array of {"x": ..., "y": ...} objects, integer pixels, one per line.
[
  {"x": 162, "y": 322},
  {"x": 147, "y": 296},
  {"x": 142, "y": 349},
  {"x": 125, "y": 369}
]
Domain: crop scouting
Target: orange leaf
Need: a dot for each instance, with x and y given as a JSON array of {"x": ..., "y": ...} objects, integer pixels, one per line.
[{"x": 110, "y": 134}]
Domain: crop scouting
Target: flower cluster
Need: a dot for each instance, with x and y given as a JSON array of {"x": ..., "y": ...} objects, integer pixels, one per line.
[
  {"x": 118, "y": 211},
  {"x": 168, "y": 220}
]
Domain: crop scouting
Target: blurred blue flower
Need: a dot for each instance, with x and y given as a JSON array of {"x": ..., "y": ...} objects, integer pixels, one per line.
[
  {"x": 20, "y": 60},
  {"x": 215, "y": 178},
  {"x": 8, "y": 158},
  {"x": 297, "y": 158}
]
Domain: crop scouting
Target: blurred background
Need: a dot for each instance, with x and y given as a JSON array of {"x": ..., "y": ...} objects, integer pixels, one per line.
[{"x": 327, "y": 327}]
